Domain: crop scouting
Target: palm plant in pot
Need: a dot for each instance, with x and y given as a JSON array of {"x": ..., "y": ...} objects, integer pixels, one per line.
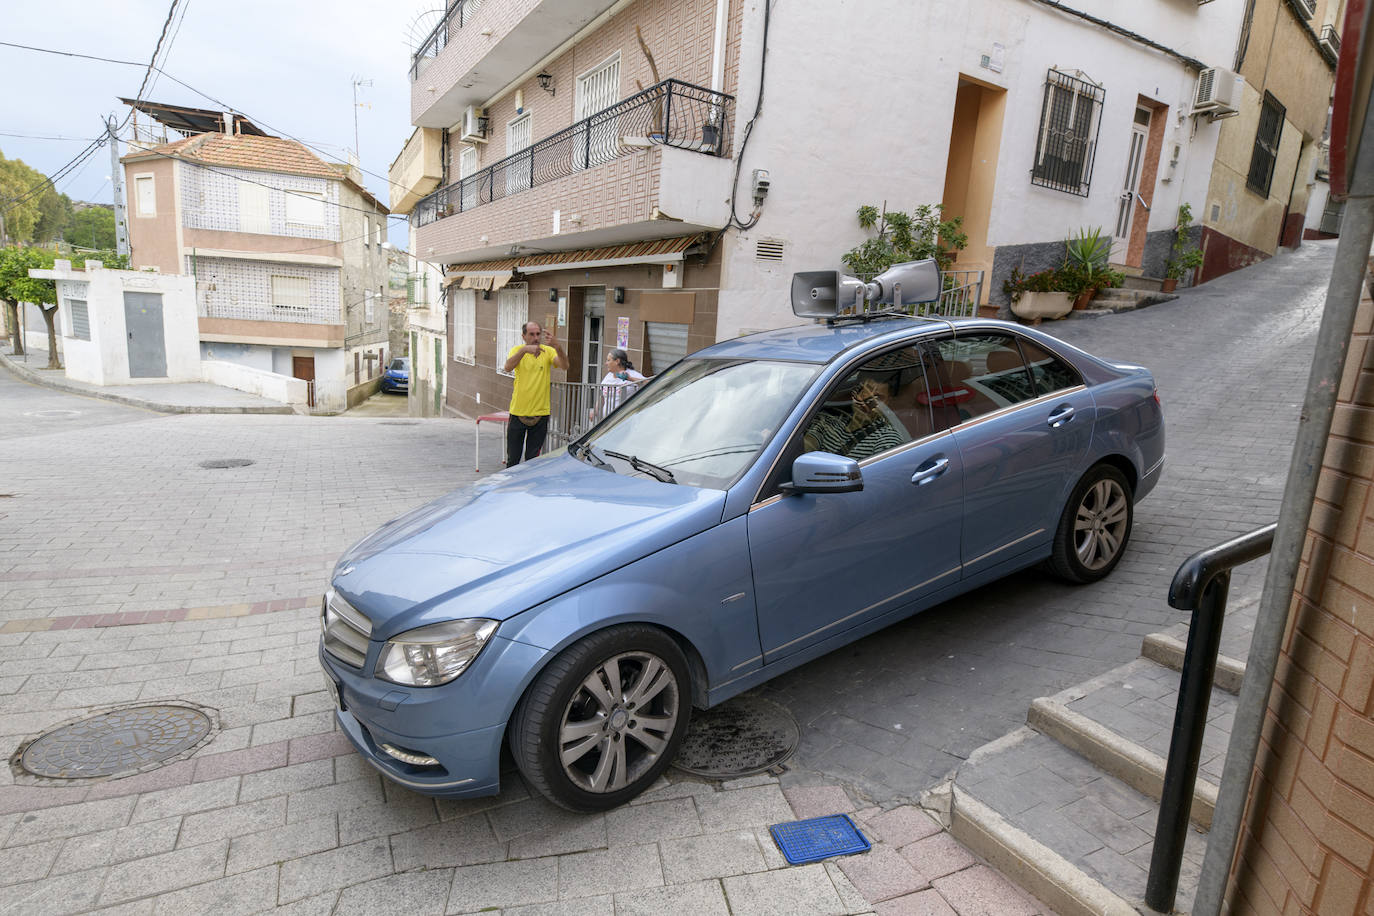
[
  {"x": 1085, "y": 268},
  {"x": 1184, "y": 256}
]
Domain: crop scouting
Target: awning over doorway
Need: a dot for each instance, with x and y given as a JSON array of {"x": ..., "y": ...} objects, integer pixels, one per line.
[{"x": 475, "y": 274}]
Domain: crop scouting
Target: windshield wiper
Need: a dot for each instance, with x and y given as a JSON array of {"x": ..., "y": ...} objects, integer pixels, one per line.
[
  {"x": 639, "y": 464},
  {"x": 588, "y": 452}
]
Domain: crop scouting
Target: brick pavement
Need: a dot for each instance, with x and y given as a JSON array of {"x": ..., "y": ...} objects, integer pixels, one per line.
[{"x": 111, "y": 514}]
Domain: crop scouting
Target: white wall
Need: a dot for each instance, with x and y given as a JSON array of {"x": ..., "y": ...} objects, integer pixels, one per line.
[
  {"x": 104, "y": 359},
  {"x": 858, "y": 108},
  {"x": 281, "y": 388}
]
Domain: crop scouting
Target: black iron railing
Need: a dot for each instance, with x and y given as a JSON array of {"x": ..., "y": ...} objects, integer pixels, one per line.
[
  {"x": 1200, "y": 586},
  {"x": 455, "y": 17},
  {"x": 671, "y": 113}
]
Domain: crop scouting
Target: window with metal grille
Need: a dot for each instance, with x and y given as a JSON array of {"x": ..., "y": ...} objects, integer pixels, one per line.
[
  {"x": 512, "y": 311},
  {"x": 80, "y": 318},
  {"x": 465, "y": 326},
  {"x": 518, "y": 137},
  {"x": 1070, "y": 117},
  {"x": 1331, "y": 216},
  {"x": 597, "y": 90},
  {"x": 290, "y": 292},
  {"x": 1266, "y": 146}
]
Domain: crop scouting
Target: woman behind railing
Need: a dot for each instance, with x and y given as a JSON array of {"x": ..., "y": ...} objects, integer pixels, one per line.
[
  {"x": 578, "y": 406},
  {"x": 620, "y": 381}
]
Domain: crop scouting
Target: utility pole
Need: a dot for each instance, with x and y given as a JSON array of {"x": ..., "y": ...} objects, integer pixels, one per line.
[{"x": 117, "y": 181}]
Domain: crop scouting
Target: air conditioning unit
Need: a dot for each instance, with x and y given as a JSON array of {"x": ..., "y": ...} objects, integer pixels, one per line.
[
  {"x": 474, "y": 125},
  {"x": 1218, "y": 91}
]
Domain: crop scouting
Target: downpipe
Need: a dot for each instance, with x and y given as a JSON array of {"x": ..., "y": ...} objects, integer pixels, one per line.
[{"x": 1314, "y": 426}]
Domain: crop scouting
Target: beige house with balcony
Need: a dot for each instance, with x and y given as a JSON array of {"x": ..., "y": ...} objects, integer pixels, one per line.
[
  {"x": 610, "y": 166},
  {"x": 287, "y": 252}
]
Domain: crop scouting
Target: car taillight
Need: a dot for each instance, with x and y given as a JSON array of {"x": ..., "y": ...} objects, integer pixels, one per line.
[{"x": 1155, "y": 394}]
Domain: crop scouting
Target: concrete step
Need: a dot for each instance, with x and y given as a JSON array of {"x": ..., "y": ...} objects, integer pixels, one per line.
[
  {"x": 1168, "y": 650},
  {"x": 1111, "y": 301},
  {"x": 1123, "y": 722},
  {"x": 1068, "y": 806},
  {"x": 1140, "y": 281},
  {"x": 1074, "y": 836}
]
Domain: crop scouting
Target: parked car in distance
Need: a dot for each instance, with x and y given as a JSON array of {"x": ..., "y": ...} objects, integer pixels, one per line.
[
  {"x": 397, "y": 375},
  {"x": 760, "y": 503}
]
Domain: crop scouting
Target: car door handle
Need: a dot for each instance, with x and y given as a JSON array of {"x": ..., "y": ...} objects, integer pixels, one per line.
[
  {"x": 929, "y": 471},
  {"x": 1061, "y": 416}
]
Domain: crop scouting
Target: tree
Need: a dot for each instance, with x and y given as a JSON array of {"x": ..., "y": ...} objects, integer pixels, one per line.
[
  {"x": 17, "y": 183},
  {"x": 902, "y": 237},
  {"x": 92, "y": 227},
  {"x": 54, "y": 212},
  {"x": 17, "y": 286}
]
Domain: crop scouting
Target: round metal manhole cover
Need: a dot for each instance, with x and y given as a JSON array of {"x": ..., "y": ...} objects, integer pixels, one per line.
[
  {"x": 118, "y": 742},
  {"x": 742, "y": 736},
  {"x": 214, "y": 463},
  {"x": 399, "y": 423},
  {"x": 53, "y": 414}
]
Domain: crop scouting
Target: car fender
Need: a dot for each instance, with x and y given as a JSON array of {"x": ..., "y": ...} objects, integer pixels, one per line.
[
  {"x": 700, "y": 589},
  {"x": 1129, "y": 424}
]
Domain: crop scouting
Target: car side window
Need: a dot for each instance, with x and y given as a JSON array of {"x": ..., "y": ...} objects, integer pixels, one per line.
[
  {"x": 878, "y": 406},
  {"x": 978, "y": 374},
  {"x": 1049, "y": 372}
]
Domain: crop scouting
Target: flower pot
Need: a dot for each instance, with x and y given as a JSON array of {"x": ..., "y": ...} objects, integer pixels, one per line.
[
  {"x": 1082, "y": 299},
  {"x": 1168, "y": 284},
  {"x": 1042, "y": 305}
]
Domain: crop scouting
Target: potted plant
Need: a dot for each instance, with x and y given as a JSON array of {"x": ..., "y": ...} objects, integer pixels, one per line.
[
  {"x": 1039, "y": 295},
  {"x": 1184, "y": 256},
  {"x": 657, "y": 129},
  {"x": 1085, "y": 265}
]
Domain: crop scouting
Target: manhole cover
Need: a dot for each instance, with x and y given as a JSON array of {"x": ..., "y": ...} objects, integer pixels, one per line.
[
  {"x": 743, "y": 736},
  {"x": 53, "y": 414},
  {"x": 227, "y": 463},
  {"x": 118, "y": 742},
  {"x": 399, "y": 423}
]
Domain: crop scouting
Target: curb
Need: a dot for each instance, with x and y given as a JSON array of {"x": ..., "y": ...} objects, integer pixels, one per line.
[
  {"x": 33, "y": 377},
  {"x": 1168, "y": 651},
  {"x": 1034, "y": 866}
]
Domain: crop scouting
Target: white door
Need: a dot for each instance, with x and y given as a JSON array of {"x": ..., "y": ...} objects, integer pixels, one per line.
[
  {"x": 593, "y": 324},
  {"x": 1130, "y": 188},
  {"x": 467, "y": 167},
  {"x": 597, "y": 90}
]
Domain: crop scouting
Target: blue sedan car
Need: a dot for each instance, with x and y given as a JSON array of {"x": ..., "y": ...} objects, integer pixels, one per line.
[
  {"x": 397, "y": 375},
  {"x": 759, "y": 504}
]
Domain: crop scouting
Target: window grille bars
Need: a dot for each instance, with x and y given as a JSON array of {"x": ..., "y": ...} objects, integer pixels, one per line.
[{"x": 1070, "y": 118}]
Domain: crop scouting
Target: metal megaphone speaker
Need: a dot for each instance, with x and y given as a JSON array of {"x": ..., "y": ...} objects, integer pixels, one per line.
[{"x": 824, "y": 293}]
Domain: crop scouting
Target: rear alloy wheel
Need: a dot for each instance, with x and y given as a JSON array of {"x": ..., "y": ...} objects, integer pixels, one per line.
[
  {"x": 1095, "y": 526},
  {"x": 604, "y": 719}
]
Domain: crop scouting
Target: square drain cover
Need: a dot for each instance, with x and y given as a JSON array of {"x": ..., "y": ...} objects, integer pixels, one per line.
[{"x": 818, "y": 838}]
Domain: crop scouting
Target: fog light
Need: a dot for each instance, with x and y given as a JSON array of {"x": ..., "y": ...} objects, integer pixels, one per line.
[{"x": 419, "y": 760}]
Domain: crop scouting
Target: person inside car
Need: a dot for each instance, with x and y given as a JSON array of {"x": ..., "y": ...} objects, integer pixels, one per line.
[{"x": 865, "y": 427}]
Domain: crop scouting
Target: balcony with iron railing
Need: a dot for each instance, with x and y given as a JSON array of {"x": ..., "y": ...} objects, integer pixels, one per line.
[
  {"x": 671, "y": 141},
  {"x": 1330, "y": 43},
  {"x": 481, "y": 46}
]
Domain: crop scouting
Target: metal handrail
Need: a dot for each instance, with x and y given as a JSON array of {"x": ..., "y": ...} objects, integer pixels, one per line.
[
  {"x": 1200, "y": 585},
  {"x": 670, "y": 113},
  {"x": 576, "y": 407}
]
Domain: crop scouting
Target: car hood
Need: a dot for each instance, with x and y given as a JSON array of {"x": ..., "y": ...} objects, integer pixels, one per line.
[{"x": 514, "y": 540}]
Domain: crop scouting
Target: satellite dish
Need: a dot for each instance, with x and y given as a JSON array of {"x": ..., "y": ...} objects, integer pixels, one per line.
[{"x": 421, "y": 25}]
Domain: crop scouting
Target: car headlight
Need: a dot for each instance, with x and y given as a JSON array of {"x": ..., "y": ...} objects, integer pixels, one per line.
[{"x": 433, "y": 655}]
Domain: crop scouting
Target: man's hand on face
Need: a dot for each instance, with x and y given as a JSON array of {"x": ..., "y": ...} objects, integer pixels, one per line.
[{"x": 546, "y": 337}]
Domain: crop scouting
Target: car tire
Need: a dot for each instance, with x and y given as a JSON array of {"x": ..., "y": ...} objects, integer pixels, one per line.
[
  {"x": 586, "y": 743},
  {"x": 1094, "y": 527}
]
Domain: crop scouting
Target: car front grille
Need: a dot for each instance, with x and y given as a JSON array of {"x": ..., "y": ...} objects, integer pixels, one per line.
[{"x": 346, "y": 631}]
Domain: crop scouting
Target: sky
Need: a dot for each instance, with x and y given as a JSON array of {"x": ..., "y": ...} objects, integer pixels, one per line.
[{"x": 288, "y": 65}]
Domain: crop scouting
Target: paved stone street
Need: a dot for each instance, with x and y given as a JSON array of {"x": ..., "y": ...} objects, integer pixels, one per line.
[{"x": 130, "y": 572}]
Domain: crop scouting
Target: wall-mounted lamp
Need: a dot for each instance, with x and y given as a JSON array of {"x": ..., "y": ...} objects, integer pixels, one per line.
[
  {"x": 619, "y": 294},
  {"x": 486, "y": 294},
  {"x": 546, "y": 82},
  {"x": 553, "y": 294}
]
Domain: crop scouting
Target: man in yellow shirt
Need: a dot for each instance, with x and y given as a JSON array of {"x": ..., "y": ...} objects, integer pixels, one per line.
[{"x": 529, "y": 402}]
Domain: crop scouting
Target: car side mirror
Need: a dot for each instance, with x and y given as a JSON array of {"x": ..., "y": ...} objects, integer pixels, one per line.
[{"x": 822, "y": 472}]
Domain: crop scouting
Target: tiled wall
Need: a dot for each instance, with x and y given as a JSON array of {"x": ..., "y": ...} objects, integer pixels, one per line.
[{"x": 1309, "y": 842}]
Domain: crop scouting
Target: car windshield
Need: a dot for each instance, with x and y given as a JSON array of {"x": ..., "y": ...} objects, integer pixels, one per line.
[
  {"x": 400, "y": 365},
  {"x": 703, "y": 421}
]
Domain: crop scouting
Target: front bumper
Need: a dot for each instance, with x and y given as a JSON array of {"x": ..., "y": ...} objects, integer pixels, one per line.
[{"x": 439, "y": 722}]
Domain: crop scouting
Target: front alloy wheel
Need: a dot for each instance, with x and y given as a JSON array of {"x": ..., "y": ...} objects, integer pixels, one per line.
[{"x": 604, "y": 719}]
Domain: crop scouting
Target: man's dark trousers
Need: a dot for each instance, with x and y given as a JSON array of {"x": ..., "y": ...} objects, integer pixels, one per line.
[{"x": 529, "y": 439}]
